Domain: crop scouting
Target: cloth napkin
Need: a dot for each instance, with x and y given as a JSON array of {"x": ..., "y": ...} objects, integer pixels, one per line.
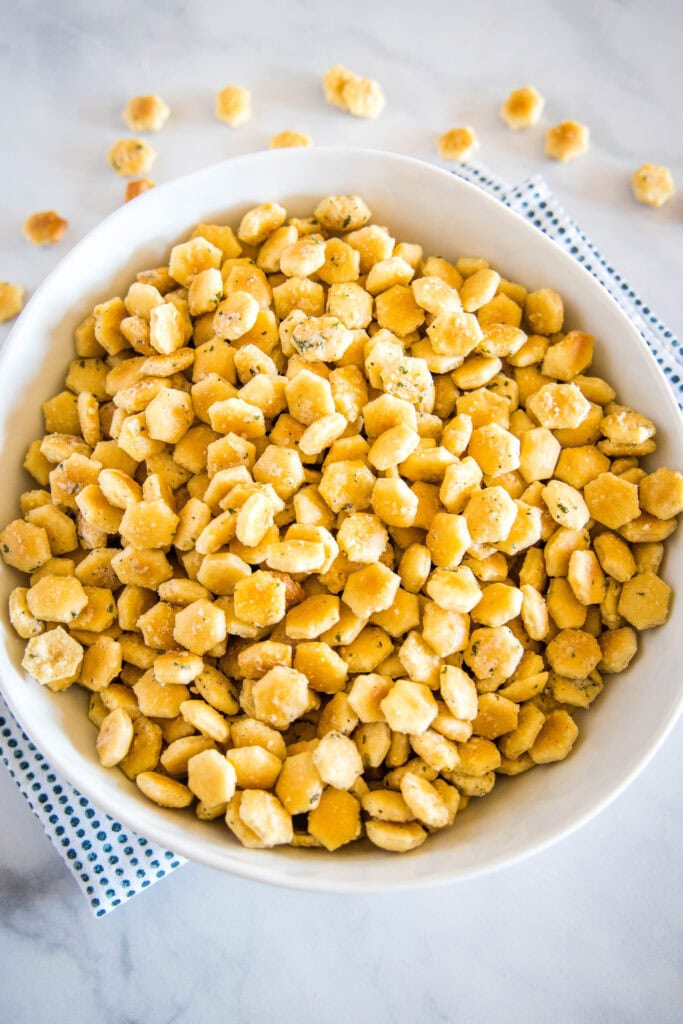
[{"x": 112, "y": 864}]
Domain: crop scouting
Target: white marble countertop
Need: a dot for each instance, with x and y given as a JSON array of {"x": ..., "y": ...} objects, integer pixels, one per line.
[{"x": 589, "y": 930}]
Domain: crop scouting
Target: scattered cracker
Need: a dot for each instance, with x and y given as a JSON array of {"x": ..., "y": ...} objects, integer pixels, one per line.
[
  {"x": 11, "y": 300},
  {"x": 523, "y": 107},
  {"x": 233, "y": 105},
  {"x": 45, "y": 228},
  {"x": 362, "y": 97},
  {"x": 288, "y": 139},
  {"x": 566, "y": 141},
  {"x": 130, "y": 157},
  {"x": 146, "y": 113},
  {"x": 652, "y": 184},
  {"x": 457, "y": 144},
  {"x": 137, "y": 187}
]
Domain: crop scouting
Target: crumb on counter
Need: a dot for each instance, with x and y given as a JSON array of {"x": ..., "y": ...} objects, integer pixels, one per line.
[
  {"x": 45, "y": 228},
  {"x": 523, "y": 107},
  {"x": 233, "y": 105},
  {"x": 130, "y": 157},
  {"x": 12, "y": 299},
  {"x": 288, "y": 139},
  {"x": 457, "y": 144},
  {"x": 137, "y": 187},
  {"x": 362, "y": 97},
  {"x": 146, "y": 113},
  {"x": 652, "y": 184},
  {"x": 566, "y": 141}
]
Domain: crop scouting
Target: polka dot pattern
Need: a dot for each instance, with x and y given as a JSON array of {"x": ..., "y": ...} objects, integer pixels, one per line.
[{"x": 112, "y": 864}]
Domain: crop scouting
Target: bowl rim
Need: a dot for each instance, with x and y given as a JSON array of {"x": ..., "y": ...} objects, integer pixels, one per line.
[{"x": 253, "y": 870}]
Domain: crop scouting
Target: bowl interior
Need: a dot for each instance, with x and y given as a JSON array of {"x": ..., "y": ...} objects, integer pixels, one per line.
[{"x": 449, "y": 218}]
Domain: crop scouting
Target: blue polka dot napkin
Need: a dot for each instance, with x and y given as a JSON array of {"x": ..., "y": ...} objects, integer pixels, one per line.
[{"x": 112, "y": 864}]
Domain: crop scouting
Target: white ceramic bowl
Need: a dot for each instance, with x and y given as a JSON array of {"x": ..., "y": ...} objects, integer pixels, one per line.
[{"x": 449, "y": 218}]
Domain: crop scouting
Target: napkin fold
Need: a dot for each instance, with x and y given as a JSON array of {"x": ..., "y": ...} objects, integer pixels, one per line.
[{"x": 110, "y": 863}]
